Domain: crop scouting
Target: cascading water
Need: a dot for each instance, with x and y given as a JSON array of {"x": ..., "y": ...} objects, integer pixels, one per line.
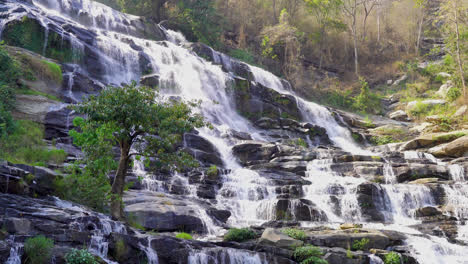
[
  {"x": 226, "y": 256},
  {"x": 333, "y": 193},
  {"x": 245, "y": 193},
  {"x": 15, "y": 252}
]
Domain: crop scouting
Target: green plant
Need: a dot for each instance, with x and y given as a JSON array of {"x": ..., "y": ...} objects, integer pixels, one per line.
[
  {"x": 392, "y": 258},
  {"x": 301, "y": 143},
  {"x": 25, "y": 145},
  {"x": 349, "y": 254},
  {"x": 212, "y": 171},
  {"x": 453, "y": 94},
  {"x": 295, "y": 233},
  {"x": 55, "y": 71},
  {"x": 360, "y": 244},
  {"x": 184, "y": 236},
  {"x": 382, "y": 140},
  {"x": 309, "y": 255},
  {"x": 419, "y": 109},
  {"x": 38, "y": 249},
  {"x": 120, "y": 249},
  {"x": 239, "y": 234},
  {"x": 81, "y": 256}
]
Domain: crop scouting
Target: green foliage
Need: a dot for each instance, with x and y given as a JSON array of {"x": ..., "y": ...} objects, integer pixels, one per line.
[
  {"x": 295, "y": 233},
  {"x": 82, "y": 187},
  {"x": 360, "y": 244},
  {"x": 199, "y": 21},
  {"x": 120, "y": 249},
  {"x": 309, "y": 255},
  {"x": 339, "y": 99},
  {"x": 242, "y": 55},
  {"x": 80, "y": 257},
  {"x": 239, "y": 234},
  {"x": 212, "y": 171},
  {"x": 392, "y": 258},
  {"x": 382, "y": 140},
  {"x": 38, "y": 250},
  {"x": 419, "y": 109},
  {"x": 25, "y": 145},
  {"x": 55, "y": 70},
  {"x": 301, "y": 143},
  {"x": 349, "y": 254},
  {"x": 26, "y": 33},
  {"x": 365, "y": 101},
  {"x": 9, "y": 71},
  {"x": 453, "y": 94},
  {"x": 184, "y": 236},
  {"x": 28, "y": 91}
]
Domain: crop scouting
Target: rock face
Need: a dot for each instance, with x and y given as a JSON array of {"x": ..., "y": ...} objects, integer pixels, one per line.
[
  {"x": 162, "y": 214},
  {"x": 456, "y": 148},
  {"x": 399, "y": 115},
  {"x": 274, "y": 237}
]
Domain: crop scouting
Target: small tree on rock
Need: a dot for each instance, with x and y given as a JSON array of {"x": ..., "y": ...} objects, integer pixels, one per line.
[{"x": 141, "y": 123}]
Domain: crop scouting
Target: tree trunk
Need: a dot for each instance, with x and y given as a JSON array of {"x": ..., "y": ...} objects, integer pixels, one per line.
[
  {"x": 460, "y": 62},
  {"x": 356, "y": 61},
  {"x": 418, "y": 42},
  {"x": 378, "y": 26},
  {"x": 119, "y": 182}
]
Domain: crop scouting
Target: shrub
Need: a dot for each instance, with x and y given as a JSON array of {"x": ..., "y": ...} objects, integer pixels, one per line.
[
  {"x": 239, "y": 234},
  {"x": 392, "y": 258},
  {"x": 453, "y": 94},
  {"x": 360, "y": 244},
  {"x": 25, "y": 145},
  {"x": 419, "y": 109},
  {"x": 212, "y": 171},
  {"x": 80, "y": 257},
  {"x": 184, "y": 236},
  {"x": 382, "y": 140},
  {"x": 53, "y": 71},
  {"x": 38, "y": 249},
  {"x": 242, "y": 55},
  {"x": 309, "y": 255},
  {"x": 301, "y": 143},
  {"x": 295, "y": 233},
  {"x": 83, "y": 187}
]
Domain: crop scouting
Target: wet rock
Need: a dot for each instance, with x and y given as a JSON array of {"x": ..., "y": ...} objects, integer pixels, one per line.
[
  {"x": 151, "y": 80},
  {"x": 18, "y": 226},
  {"x": 254, "y": 151},
  {"x": 299, "y": 210},
  {"x": 342, "y": 239},
  {"x": 428, "y": 211},
  {"x": 275, "y": 237},
  {"x": 219, "y": 215},
  {"x": 202, "y": 149},
  {"x": 162, "y": 213}
]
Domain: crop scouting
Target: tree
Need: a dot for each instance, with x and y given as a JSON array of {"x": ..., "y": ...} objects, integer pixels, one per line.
[
  {"x": 421, "y": 5},
  {"x": 324, "y": 12},
  {"x": 149, "y": 8},
  {"x": 142, "y": 124},
  {"x": 282, "y": 41},
  {"x": 369, "y": 6},
  {"x": 350, "y": 9},
  {"x": 454, "y": 14}
]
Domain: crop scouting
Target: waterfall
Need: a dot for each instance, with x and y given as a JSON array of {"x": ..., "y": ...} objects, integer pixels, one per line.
[
  {"x": 15, "y": 252},
  {"x": 327, "y": 185},
  {"x": 225, "y": 256}
]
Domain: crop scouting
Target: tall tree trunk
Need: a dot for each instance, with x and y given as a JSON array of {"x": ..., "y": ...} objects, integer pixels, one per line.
[
  {"x": 275, "y": 17},
  {"x": 460, "y": 61},
  {"x": 119, "y": 182},
  {"x": 378, "y": 26},
  {"x": 418, "y": 42},
  {"x": 356, "y": 61}
]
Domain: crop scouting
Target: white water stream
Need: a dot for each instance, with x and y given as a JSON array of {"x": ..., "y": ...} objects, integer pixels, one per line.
[{"x": 249, "y": 197}]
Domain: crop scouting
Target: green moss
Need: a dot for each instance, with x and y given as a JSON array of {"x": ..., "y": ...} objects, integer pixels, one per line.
[
  {"x": 212, "y": 171},
  {"x": 309, "y": 255},
  {"x": 54, "y": 70},
  {"x": 448, "y": 137},
  {"x": 28, "y": 91},
  {"x": 184, "y": 236},
  {"x": 120, "y": 249},
  {"x": 28, "y": 33}
]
